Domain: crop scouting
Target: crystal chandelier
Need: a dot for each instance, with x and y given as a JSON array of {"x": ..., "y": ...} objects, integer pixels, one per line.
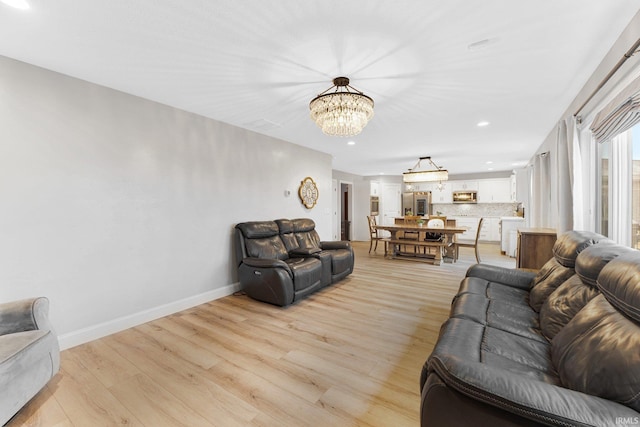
[
  {"x": 343, "y": 112},
  {"x": 437, "y": 174}
]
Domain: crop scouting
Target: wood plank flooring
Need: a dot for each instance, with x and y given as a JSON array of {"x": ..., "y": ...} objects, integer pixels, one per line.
[{"x": 349, "y": 355}]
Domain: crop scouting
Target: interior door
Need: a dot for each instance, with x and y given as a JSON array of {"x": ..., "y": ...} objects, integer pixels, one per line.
[{"x": 391, "y": 202}]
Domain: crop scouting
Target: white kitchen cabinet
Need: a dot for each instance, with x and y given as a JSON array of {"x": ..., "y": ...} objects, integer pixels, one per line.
[
  {"x": 509, "y": 228},
  {"x": 469, "y": 185},
  {"x": 439, "y": 196},
  {"x": 494, "y": 190},
  {"x": 374, "y": 188},
  {"x": 470, "y": 222},
  {"x": 490, "y": 229}
]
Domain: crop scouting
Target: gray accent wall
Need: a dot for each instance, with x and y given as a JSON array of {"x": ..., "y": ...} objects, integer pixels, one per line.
[{"x": 120, "y": 209}]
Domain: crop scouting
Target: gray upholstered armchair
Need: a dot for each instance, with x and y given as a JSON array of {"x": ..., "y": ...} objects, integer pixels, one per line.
[{"x": 29, "y": 353}]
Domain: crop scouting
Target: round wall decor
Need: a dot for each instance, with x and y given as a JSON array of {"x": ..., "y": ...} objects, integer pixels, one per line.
[{"x": 308, "y": 192}]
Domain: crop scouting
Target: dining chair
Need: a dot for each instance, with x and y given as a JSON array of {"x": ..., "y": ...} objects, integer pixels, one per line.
[
  {"x": 373, "y": 233},
  {"x": 433, "y": 236},
  {"x": 474, "y": 245},
  {"x": 410, "y": 235}
]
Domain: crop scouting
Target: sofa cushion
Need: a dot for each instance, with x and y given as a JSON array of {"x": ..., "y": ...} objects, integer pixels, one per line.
[
  {"x": 305, "y": 232},
  {"x": 569, "y": 245},
  {"x": 475, "y": 343},
  {"x": 513, "y": 317},
  {"x": 619, "y": 282},
  {"x": 592, "y": 260},
  {"x": 596, "y": 352},
  {"x": 258, "y": 229},
  {"x": 268, "y": 247},
  {"x": 563, "y": 304},
  {"x": 559, "y": 268},
  {"x": 307, "y": 272},
  {"x": 569, "y": 298},
  {"x": 550, "y": 276},
  {"x": 285, "y": 228},
  {"x": 493, "y": 290}
]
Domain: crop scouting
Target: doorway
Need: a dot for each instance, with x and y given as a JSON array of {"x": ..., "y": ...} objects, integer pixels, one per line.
[{"x": 346, "y": 196}]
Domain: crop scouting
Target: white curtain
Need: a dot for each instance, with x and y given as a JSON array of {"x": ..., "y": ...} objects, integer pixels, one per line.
[
  {"x": 580, "y": 202},
  {"x": 620, "y": 185},
  {"x": 541, "y": 191},
  {"x": 564, "y": 172}
]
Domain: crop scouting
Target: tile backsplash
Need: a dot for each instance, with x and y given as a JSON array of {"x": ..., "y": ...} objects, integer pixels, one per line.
[{"x": 477, "y": 210}]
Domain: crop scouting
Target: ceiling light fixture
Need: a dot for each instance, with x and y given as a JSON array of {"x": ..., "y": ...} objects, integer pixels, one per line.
[
  {"x": 483, "y": 124},
  {"x": 343, "y": 112},
  {"x": 18, "y": 4},
  {"x": 415, "y": 175}
]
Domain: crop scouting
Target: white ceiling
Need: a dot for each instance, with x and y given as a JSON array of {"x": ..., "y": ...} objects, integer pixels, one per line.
[{"x": 257, "y": 64}]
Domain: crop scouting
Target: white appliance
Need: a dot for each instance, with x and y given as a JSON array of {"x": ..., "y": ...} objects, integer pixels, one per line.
[{"x": 509, "y": 226}]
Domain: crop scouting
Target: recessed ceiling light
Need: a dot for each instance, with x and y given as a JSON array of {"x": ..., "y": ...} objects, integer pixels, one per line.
[
  {"x": 381, "y": 173},
  {"x": 18, "y": 4},
  {"x": 489, "y": 162},
  {"x": 490, "y": 169},
  {"x": 351, "y": 143},
  {"x": 483, "y": 123}
]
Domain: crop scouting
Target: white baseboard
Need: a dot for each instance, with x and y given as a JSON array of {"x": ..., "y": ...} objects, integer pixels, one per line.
[{"x": 95, "y": 332}]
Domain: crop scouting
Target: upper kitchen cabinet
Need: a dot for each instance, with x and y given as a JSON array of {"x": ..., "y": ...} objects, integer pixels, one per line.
[
  {"x": 374, "y": 188},
  {"x": 469, "y": 185},
  {"x": 495, "y": 191},
  {"x": 438, "y": 195}
]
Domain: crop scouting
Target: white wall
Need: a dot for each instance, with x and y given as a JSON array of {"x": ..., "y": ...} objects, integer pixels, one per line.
[{"x": 119, "y": 209}]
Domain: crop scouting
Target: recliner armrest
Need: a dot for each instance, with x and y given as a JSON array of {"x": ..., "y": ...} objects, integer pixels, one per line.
[
  {"x": 266, "y": 263},
  {"x": 507, "y": 276},
  {"x": 303, "y": 252},
  {"x": 530, "y": 398},
  {"x": 24, "y": 315},
  {"x": 339, "y": 244}
]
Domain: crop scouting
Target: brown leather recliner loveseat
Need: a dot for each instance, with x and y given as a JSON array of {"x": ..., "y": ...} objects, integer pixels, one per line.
[
  {"x": 283, "y": 261},
  {"x": 559, "y": 348}
]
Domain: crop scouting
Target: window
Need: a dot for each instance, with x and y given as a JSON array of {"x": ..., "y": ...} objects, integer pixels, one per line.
[
  {"x": 619, "y": 182},
  {"x": 604, "y": 155},
  {"x": 635, "y": 188}
]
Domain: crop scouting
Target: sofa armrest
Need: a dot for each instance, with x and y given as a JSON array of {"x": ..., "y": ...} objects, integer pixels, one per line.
[
  {"x": 24, "y": 315},
  {"x": 265, "y": 263},
  {"x": 303, "y": 252},
  {"x": 338, "y": 244},
  {"x": 543, "y": 402},
  {"x": 507, "y": 276}
]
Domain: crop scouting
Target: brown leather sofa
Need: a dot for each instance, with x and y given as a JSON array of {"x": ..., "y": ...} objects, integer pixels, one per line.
[
  {"x": 283, "y": 261},
  {"x": 559, "y": 348}
]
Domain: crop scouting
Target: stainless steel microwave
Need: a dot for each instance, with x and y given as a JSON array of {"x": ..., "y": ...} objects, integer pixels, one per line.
[
  {"x": 465, "y": 197},
  {"x": 375, "y": 205}
]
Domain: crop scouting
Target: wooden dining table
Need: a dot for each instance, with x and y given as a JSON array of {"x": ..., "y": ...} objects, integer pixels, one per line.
[{"x": 396, "y": 242}]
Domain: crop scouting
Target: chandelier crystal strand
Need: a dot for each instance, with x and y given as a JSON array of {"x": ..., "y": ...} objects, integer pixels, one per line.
[{"x": 341, "y": 113}]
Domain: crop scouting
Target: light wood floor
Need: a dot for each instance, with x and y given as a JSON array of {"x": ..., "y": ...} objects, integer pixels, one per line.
[{"x": 349, "y": 355}]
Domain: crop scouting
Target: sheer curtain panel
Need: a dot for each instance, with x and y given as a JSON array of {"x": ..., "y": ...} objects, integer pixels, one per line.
[
  {"x": 541, "y": 191},
  {"x": 564, "y": 172}
]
